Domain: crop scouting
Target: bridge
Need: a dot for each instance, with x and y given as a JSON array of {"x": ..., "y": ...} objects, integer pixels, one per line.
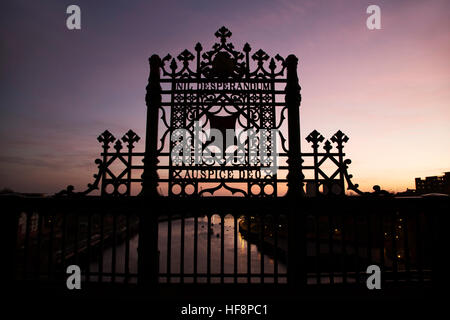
[{"x": 223, "y": 199}]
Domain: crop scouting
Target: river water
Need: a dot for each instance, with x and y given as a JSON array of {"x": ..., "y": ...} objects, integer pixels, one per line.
[{"x": 242, "y": 247}]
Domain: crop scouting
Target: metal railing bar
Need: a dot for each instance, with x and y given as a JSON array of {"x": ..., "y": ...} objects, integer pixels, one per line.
[
  {"x": 330, "y": 248},
  {"x": 114, "y": 247},
  {"x": 50, "y": 244},
  {"x": 169, "y": 245},
  {"x": 317, "y": 236},
  {"x": 127, "y": 246},
  {"x": 249, "y": 250},
  {"x": 275, "y": 241},
  {"x": 344, "y": 250},
  {"x": 406, "y": 247},
  {"x": 419, "y": 248},
  {"x": 208, "y": 250},
  {"x": 222, "y": 246},
  {"x": 182, "y": 247},
  {"x": 261, "y": 245},
  {"x": 26, "y": 242},
  {"x": 356, "y": 247},
  {"x": 37, "y": 267},
  {"x": 394, "y": 246},
  {"x": 195, "y": 246},
  {"x": 102, "y": 245},
  {"x": 89, "y": 231},
  {"x": 235, "y": 251}
]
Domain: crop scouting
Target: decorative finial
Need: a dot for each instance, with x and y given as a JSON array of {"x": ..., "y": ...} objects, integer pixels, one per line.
[{"x": 223, "y": 33}]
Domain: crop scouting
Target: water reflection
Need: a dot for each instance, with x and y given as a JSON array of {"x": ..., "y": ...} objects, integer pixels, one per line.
[{"x": 175, "y": 257}]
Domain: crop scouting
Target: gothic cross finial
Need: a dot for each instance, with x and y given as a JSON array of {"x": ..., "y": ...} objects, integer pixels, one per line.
[
  {"x": 260, "y": 56},
  {"x": 106, "y": 138},
  {"x": 223, "y": 33},
  {"x": 314, "y": 137},
  {"x": 339, "y": 138},
  {"x": 185, "y": 57},
  {"x": 130, "y": 138}
]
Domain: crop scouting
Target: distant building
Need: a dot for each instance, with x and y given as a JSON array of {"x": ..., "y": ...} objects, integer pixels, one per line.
[
  {"x": 434, "y": 184},
  {"x": 408, "y": 192}
]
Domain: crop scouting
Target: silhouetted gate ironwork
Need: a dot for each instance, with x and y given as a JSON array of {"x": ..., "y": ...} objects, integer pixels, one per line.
[
  {"x": 253, "y": 96},
  {"x": 226, "y": 90}
]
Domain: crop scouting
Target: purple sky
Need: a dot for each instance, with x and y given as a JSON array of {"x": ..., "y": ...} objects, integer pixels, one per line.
[{"x": 387, "y": 89}]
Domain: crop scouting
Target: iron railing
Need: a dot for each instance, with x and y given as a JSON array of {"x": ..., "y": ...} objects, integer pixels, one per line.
[{"x": 228, "y": 240}]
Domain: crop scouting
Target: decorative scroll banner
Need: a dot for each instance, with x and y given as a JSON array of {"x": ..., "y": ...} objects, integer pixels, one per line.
[
  {"x": 215, "y": 174},
  {"x": 232, "y": 86}
]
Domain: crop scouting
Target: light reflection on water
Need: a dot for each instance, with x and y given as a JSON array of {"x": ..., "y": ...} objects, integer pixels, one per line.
[{"x": 201, "y": 253}]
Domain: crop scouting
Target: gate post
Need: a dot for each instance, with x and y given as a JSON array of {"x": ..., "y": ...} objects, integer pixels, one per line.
[
  {"x": 153, "y": 101},
  {"x": 148, "y": 261},
  {"x": 296, "y": 220},
  {"x": 293, "y": 98},
  {"x": 297, "y": 251},
  {"x": 148, "y": 221}
]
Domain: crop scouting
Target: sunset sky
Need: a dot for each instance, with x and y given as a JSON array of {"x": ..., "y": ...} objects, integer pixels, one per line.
[{"x": 388, "y": 89}]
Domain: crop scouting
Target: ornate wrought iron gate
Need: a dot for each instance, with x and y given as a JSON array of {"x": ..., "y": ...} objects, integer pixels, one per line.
[{"x": 223, "y": 122}]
